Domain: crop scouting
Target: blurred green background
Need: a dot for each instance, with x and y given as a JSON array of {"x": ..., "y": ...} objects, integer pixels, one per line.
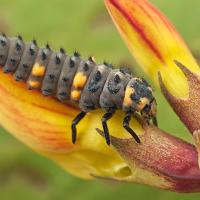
[{"x": 84, "y": 26}]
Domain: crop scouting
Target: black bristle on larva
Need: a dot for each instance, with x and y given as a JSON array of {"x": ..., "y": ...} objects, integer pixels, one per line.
[
  {"x": 145, "y": 82},
  {"x": 51, "y": 76},
  {"x": 108, "y": 64},
  {"x": 117, "y": 79},
  {"x": 71, "y": 63},
  {"x": 20, "y": 37},
  {"x": 125, "y": 70},
  {"x": 86, "y": 67},
  {"x": 3, "y": 42},
  {"x": 97, "y": 76},
  {"x": 32, "y": 51},
  {"x": 3, "y": 34},
  {"x": 44, "y": 51},
  {"x": 18, "y": 46},
  {"x": 25, "y": 66},
  {"x": 77, "y": 54},
  {"x": 105, "y": 63},
  {"x": 12, "y": 60},
  {"x": 62, "y": 50},
  {"x": 48, "y": 46},
  {"x": 34, "y": 42},
  {"x": 44, "y": 55},
  {"x": 57, "y": 60}
]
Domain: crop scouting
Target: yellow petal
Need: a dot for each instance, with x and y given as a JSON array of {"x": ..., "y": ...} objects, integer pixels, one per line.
[
  {"x": 154, "y": 42},
  {"x": 44, "y": 124}
]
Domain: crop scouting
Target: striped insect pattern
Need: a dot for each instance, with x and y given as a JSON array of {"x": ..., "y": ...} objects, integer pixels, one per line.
[{"x": 83, "y": 82}]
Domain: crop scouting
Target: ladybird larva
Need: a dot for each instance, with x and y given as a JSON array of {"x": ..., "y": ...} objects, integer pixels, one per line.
[{"x": 72, "y": 79}]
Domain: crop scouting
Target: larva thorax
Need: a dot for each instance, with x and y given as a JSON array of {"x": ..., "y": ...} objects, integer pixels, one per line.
[{"x": 70, "y": 78}]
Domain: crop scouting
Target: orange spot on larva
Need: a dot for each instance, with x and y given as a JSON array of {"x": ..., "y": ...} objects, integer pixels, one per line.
[
  {"x": 143, "y": 102},
  {"x": 75, "y": 95},
  {"x": 127, "y": 100},
  {"x": 38, "y": 70},
  {"x": 79, "y": 80},
  {"x": 34, "y": 84}
]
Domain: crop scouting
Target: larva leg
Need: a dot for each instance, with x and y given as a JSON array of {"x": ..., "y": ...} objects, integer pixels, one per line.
[
  {"x": 104, "y": 120},
  {"x": 127, "y": 127},
  {"x": 76, "y": 120}
]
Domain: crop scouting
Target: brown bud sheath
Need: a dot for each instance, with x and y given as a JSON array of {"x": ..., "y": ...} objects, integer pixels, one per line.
[
  {"x": 188, "y": 109},
  {"x": 161, "y": 160}
]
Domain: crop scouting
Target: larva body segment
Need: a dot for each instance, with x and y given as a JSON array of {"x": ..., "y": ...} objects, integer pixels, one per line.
[
  {"x": 4, "y": 48},
  {"x": 80, "y": 78},
  {"x": 53, "y": 72},
  {"x": 82, "y": 82},
  {"x": 114, "y": 88},
  {"x": 27, "y": 61},
  {"x": 39, "y": 68},
  {"x": 66, "y": 78},
  {"x": 15, "y": 52},
  {"x": 93, "y": 88}
]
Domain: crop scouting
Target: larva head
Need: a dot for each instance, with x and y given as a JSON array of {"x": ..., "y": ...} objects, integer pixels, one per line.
[{"x": 139, "y": 98}]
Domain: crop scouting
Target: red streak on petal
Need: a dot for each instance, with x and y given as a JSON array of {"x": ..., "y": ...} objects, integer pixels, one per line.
[
  {"x": 141, "y": 6},
  {"x": 170, "y": 27},
  {"x": 48, "y": 137},
  {"x": 52, "y": 139},
  {"x": 139, "y": 29},
  {"x": 70, "y": 109}
]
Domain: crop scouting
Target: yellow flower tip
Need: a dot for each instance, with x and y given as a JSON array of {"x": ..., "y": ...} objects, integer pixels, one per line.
[
  {"x": 174, "y": 79},
  {"x": 143, "y": 27}
]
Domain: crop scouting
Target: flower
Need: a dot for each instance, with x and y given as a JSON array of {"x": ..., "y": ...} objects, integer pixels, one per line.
[
  {"x": 44, "y": 124},
  {"x": 159, "y": 49}
]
